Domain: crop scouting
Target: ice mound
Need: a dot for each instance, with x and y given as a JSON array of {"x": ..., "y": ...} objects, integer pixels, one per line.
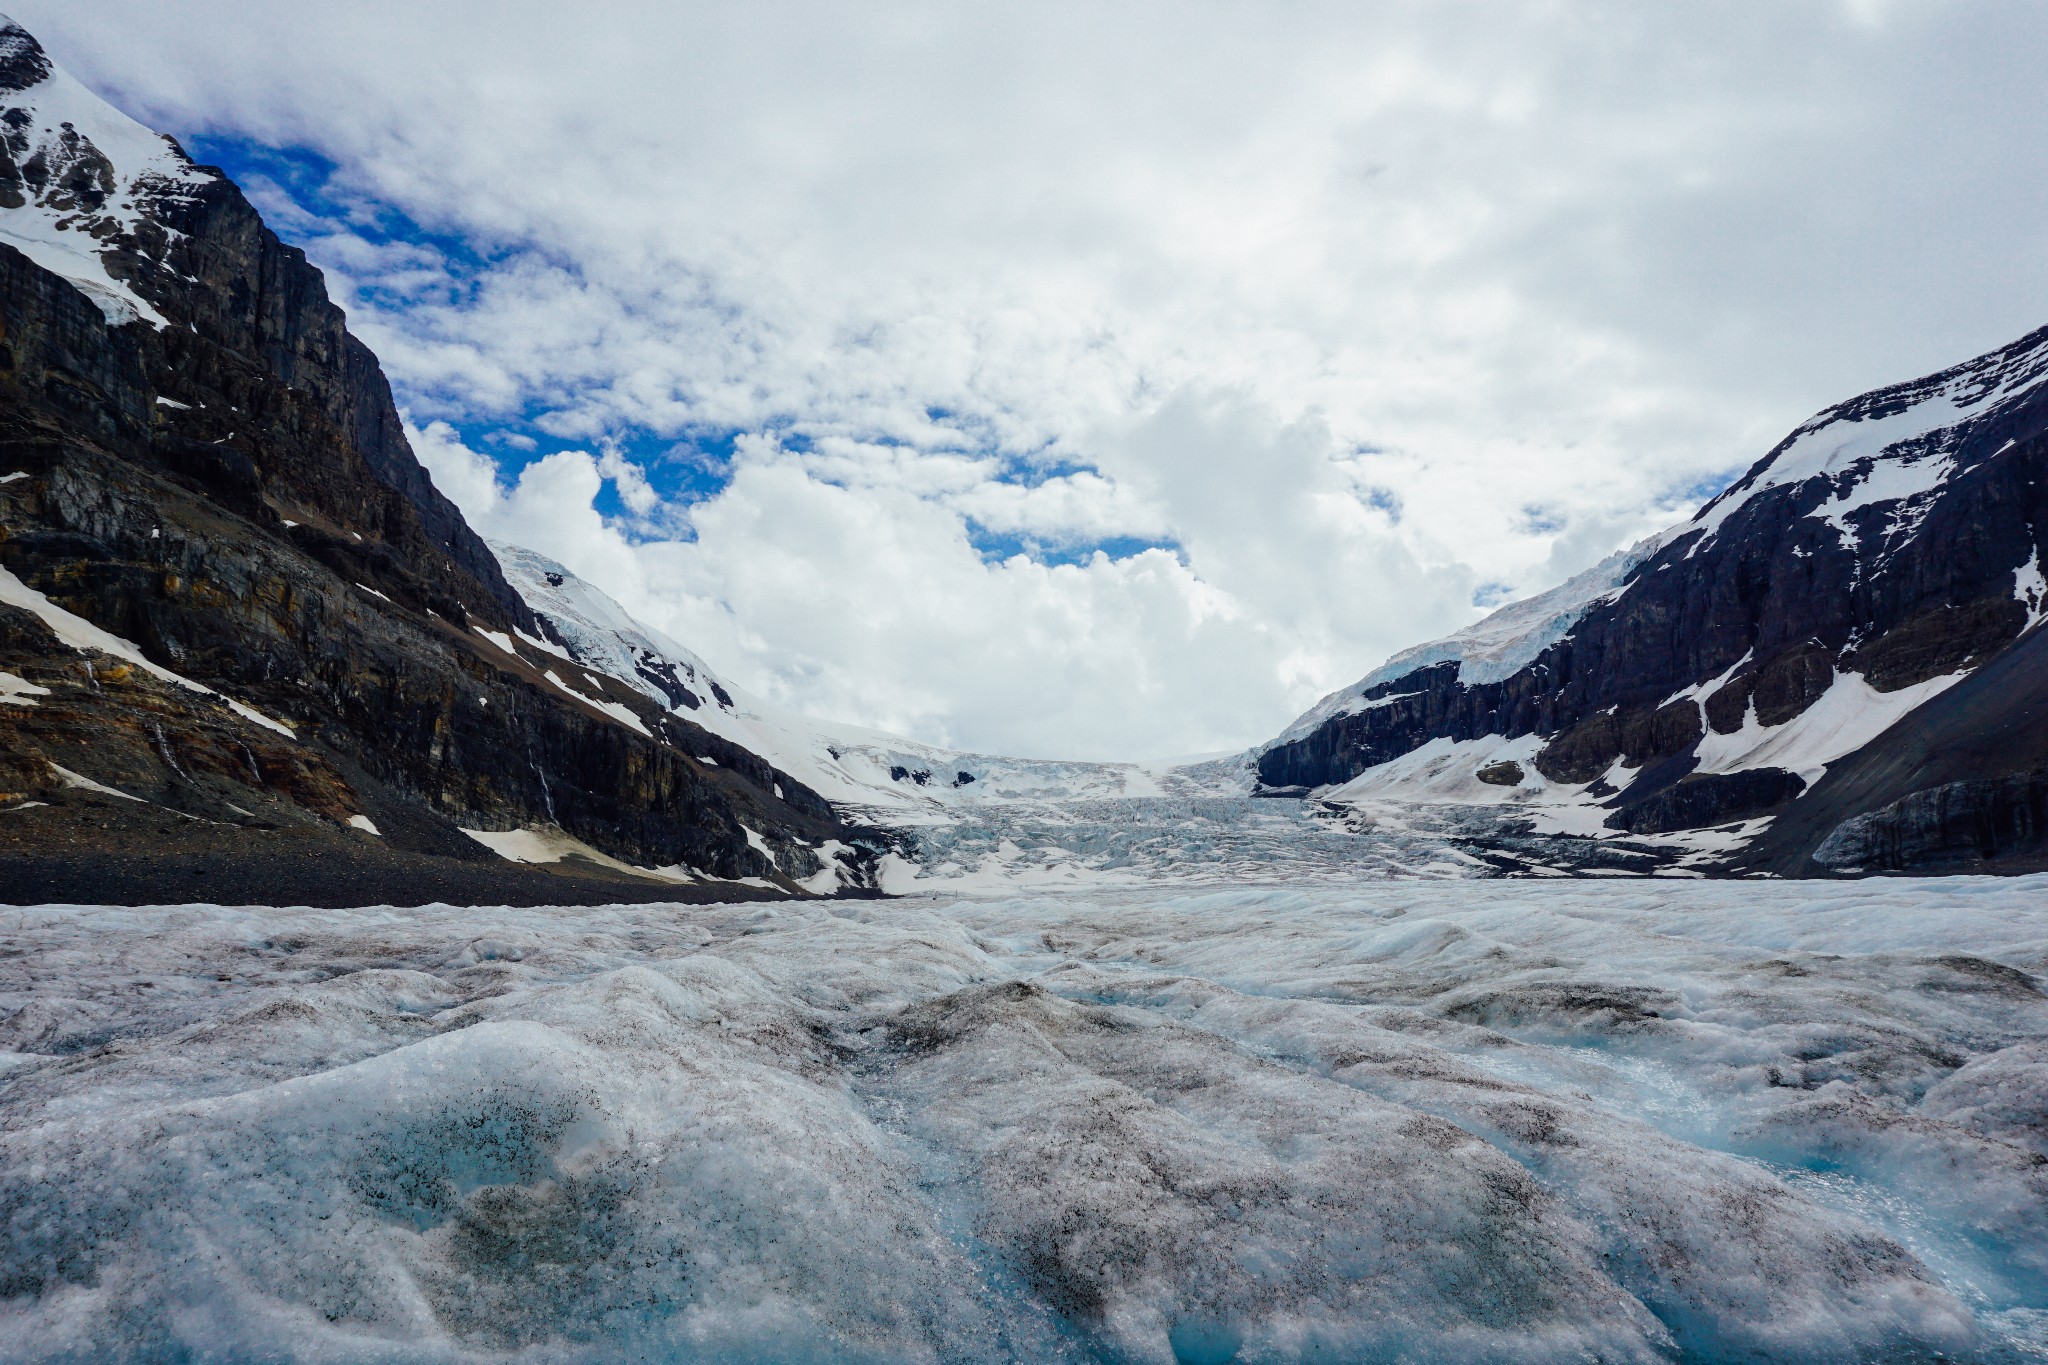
[{"x": 1413, "y": 1122}]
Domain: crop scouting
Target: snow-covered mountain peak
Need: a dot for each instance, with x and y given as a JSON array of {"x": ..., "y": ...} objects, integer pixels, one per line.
[
  {"x": 1892, "y": 445},
  {"x": 78, "y": 176},
  {"x": 1848, "y": 627},
  {"x": 593, "y": 631},
  {"x": 1896, "y": 445}
]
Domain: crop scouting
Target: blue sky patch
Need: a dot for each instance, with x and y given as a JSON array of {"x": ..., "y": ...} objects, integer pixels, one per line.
[
  {"x": 1491, "y": 595},
  {"x": 300, "y": 193}
]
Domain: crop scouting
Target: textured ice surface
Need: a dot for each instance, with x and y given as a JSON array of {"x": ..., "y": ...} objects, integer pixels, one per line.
[
  {"x": 1197, "y": 840},
  {"x": 1232, "y": 840},
  {"x": 1412, "y": 1121}
]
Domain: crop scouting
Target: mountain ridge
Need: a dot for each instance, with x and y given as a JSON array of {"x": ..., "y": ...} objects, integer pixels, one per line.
[{"x": 1879, "y": 555}]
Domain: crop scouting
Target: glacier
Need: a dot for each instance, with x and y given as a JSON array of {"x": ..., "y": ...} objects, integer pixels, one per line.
[
  {"x": 1403, "y": 1120},
  {"x": 978, "y": 824}
]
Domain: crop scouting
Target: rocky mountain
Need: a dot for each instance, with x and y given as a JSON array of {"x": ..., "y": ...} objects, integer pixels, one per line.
[
  {"x": 247, "y": 651},
  {"x": 1831, "y": 667}
]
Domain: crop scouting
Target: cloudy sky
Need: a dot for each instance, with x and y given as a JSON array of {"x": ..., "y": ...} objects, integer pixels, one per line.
[{"x": 1110, "y": 379}]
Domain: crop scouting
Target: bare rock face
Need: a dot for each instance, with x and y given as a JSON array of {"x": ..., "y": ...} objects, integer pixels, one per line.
[
  {"x": 1709, "y": 799},
  {"x": 225, "y": 489},
  {"x": 1503, "y": 774},
  {"x": 1956, "y": 823},
  {"x": 1893, "y": 542},
  {"x": 23, "y": 62}
]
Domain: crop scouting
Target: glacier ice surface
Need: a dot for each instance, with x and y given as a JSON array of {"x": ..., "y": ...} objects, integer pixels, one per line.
[{"x": 1398, "y": 1121}]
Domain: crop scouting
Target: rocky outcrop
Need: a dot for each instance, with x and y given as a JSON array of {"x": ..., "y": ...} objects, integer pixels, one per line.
[
  {"x": 1961, "y": 822},
  {"x": 1696, "y": 802},
  {"x": 227, "y": 493}
]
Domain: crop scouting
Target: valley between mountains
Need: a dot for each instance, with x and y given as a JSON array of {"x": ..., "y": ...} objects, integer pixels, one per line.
[
  {"x": 252, "y": 652},
  {"x": 406, "y": 955}
]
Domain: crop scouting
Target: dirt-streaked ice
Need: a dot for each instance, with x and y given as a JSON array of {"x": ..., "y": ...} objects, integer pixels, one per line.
[{"x": 1407, "y": 1121}]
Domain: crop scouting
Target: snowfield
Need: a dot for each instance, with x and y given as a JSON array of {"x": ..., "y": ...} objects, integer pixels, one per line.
[{"x": 1406, "y": 1121}]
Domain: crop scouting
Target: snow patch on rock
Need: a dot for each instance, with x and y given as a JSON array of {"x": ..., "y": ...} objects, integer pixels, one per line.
[
  {"x": 16, "y": 690},
  {"x": 104, "y": 174},
  {"x": 1447, "y": 770},
  {"x": 552, "y": 845},
  {"x": 84, "y": 636},
  {"x": 1849, "y": 715},
  {"x": 80, "y": 782},
  {"x": 2030, "y": 590}
]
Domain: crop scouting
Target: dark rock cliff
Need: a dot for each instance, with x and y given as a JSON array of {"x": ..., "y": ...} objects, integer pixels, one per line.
[
  {"x": 232, "y": 495},
  {"x": 1969, "y": 821},
  {"x": 251, "y": 322}
]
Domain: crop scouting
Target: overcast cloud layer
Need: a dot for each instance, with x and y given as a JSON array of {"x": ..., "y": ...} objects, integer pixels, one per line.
[{"x": 1110, "y": 380}]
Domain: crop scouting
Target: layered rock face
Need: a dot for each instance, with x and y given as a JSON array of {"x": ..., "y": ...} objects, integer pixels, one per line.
[
  {"x": 1844, "y": 596},
  {"x": 1955, "y": 822},
  {"x": 302, "y": 637}
]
